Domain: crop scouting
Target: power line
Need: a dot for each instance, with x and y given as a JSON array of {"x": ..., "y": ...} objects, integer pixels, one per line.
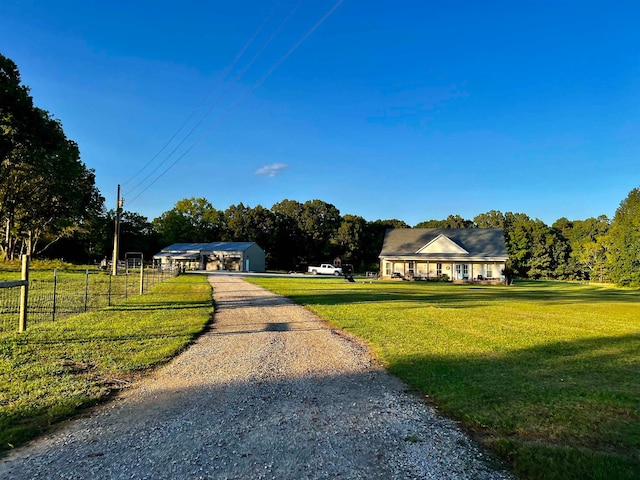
[
  {"x": 220, "y": 98},
  {"x": 215, "y": 85},
  {"x": 247, "y": 93}
]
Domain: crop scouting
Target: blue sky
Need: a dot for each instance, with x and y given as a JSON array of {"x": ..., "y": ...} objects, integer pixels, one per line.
[{"x": 411, "y": 109}]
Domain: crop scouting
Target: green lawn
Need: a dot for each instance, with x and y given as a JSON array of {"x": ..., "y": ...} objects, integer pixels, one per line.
[
  {"x": 56, "y": 368},
  {"x": 547, "y": 374}
]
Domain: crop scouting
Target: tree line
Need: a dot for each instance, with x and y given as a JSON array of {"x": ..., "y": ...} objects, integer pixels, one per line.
[
  {"x": 295, "y": 234},
  {"x": 50, "y": 207}
]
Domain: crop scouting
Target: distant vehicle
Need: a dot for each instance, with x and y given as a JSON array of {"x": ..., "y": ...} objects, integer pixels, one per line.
[{"x": 325, "y": 269}]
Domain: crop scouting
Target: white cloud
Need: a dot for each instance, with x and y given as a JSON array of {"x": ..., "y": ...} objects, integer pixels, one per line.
[{"x": 271, "y": 170}]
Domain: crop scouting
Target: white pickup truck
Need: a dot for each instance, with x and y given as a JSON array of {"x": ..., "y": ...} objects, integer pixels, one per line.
[{"x": 325, "y": 269}]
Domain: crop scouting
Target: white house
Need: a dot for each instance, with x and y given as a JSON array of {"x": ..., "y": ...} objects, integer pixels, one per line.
[
  {"x": 233, "y": 256},
  {"x": 462, "y": 254}
]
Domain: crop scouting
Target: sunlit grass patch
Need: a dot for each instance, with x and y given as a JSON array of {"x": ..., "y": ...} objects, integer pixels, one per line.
[{"x": 545, "y": 373}]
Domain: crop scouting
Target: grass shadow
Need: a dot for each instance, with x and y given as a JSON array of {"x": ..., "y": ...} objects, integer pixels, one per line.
[
  {"x": 446, "y": 295},
  {"x": 556, "y": 411}
]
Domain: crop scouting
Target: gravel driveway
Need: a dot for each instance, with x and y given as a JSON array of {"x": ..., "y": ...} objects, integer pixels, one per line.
[{"x": 269, "y": 392}]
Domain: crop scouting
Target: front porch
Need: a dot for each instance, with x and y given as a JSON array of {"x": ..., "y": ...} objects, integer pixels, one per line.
[{"x": 486, "y": 273}]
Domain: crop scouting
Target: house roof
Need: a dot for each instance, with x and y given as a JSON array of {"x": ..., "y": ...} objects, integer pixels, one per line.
[
  {"x": 445, "y": 244},
  {"x": 177, "y": 255},
  {"x": 208, "y": 247},
  {"x": 192, "y": 251}
]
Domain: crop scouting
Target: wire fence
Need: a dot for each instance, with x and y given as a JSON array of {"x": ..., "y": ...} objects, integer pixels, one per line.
[{"x": 54, "y": 295}]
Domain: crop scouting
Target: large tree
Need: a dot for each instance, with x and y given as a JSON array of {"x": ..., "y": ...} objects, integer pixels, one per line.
[
  {"x": 303, "y": 233},
  {"x": 374, "y": 238},
  {"x": 46, "y": 191},
  {"x": 582, "y": 247},
  {"x": 137, "y": 234},
  {"x": 246, "y": 224},
  {"x": 519, "y": 241},
  {"x": 288, "y": 250},
  {"x": 319, "y": 221},
  {"x": 190, "y": 220},
  {"x": 490, "y": 219},
  {"x": 350, "y": 240},
  {"x": 624, "y": 238}
]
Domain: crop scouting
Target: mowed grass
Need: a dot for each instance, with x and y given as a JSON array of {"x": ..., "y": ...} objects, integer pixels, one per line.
[
  {"x": 546, "y": 374},
  {"x": 55, "y": 369}
]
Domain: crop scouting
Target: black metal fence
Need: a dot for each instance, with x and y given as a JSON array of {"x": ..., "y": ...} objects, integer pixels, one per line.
[{"x": 54, "y": 295}]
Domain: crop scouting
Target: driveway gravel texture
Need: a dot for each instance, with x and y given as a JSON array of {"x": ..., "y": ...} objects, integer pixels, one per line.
[{"x": 269, "y": 392}]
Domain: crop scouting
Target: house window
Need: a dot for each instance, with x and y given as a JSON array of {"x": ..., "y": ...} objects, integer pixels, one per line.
[
  {"x": 411, "y": 268},
  {"x": 387, "y": 268},
  {"x": 489, "y": 271},
  {"x": 438, "y": 269},
  {"x": 465, "y": 269}
]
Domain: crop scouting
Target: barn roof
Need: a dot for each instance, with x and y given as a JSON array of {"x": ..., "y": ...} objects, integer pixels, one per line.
[{"x": 208, "y": 247}]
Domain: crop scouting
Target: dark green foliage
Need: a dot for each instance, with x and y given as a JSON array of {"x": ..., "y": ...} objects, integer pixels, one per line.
[
  {"x": 295, "y": 234},
  {"x": 492, "y": 219},
  {"x": 624, "y": 250},
  {"x": 452, "y": 221},
  {"x": 350, "y": 239},
  {"x": 46, "y": 192},
  {"x": 287, "y": 251},
  {"x": 191, "y": 220}
]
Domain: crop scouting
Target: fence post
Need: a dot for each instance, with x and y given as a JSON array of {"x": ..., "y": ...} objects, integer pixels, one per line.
[
  {"x": 55, "y": 290},
  {"x": 24, "y": 294},
  {"x": 126, "y": 285},
  {"x": 86, "y": 290},
  {"x": 109, "y": 293},
  {"x": 141, "y": 278}
]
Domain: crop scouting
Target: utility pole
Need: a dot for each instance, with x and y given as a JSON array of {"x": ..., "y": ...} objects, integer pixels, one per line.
[{"x": 116, "y": 235}]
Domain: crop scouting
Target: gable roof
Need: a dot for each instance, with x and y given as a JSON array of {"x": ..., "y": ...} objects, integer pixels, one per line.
[
  {"x": 445, "y": 244},
  {"x": 208, "y": 247},
  {"x": 442, "y": 244}
]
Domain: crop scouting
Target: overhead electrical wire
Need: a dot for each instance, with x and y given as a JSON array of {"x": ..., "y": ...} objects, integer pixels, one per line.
[
  {"x": 241, "y": 98},
  {"x": 221, "y": 97},
  {"x": 215, "y": 85}
]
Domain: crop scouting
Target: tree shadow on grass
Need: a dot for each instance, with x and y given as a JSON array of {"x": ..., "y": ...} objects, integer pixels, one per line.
[
  {"x": 465, "y": 296},
  {"x": 186, "y": 305},
  {"x": 575, "y": 401}
]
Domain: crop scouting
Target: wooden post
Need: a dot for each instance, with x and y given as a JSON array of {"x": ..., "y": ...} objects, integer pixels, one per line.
[
  {"x": 116, "y": 236},
  {"x": 86, "y": 290},
  {"x": 141, "y": 274},
  {"x": 109, "y": 296},
  {"x": 55, "y": 291},
  {"x": 24, "y": 294}
]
